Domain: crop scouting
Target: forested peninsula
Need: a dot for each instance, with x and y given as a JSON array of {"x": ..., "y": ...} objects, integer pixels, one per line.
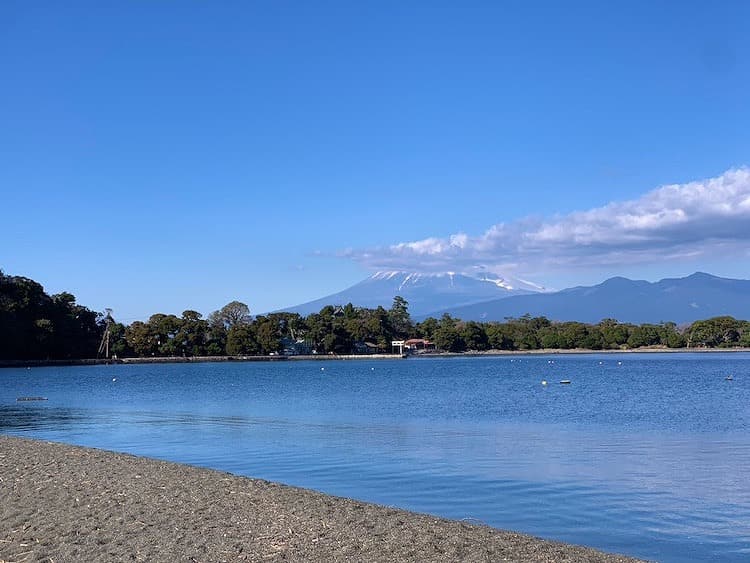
[{"x": 38, "y": 326}]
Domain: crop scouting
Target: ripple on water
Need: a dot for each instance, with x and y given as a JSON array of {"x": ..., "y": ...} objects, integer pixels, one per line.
[{"x": 646, "y": 458}]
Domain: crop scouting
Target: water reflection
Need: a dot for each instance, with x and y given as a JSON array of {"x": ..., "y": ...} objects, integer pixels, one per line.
[
  {"x": 33, "y": 418},
  {"x": 625, "y": 465}
]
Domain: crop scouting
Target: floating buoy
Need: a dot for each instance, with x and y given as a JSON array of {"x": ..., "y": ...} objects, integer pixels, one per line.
[
  {"x": 544, "y": 382},
  {"x": 565, "y": 382},
  {"x": 372, "y": 369},
  {"x": 114, "y": 379},
  {"x": 619, "y": 363},
  {"x": 600, "y": 363},
  {"x": 322, "y": 369}
]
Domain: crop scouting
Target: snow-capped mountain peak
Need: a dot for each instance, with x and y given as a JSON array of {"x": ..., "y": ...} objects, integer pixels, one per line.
[
  {"x": 425, "y": 291},
  {"x": 406, "y": 278}
]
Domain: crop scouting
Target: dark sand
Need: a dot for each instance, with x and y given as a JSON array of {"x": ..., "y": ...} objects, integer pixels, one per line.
[{"x": 63, "y": 503}]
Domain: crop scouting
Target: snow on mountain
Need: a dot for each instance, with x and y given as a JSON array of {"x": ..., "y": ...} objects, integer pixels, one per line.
[
  {"x": 425, "y": 292},
  {"x": 486, "y": 297},
  {"x": 514, "y": 284}
]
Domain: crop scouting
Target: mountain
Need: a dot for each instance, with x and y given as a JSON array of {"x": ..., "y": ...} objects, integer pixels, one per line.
[
  {"x": 681, "y": 300},
  {"x": 425, "y": 292}
]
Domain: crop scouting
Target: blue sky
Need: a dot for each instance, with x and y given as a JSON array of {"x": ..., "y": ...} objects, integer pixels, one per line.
[{"x": 160, "y": 156}]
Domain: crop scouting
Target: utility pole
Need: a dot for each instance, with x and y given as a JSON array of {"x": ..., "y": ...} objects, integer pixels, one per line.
[{"x": 104, "y": 344}]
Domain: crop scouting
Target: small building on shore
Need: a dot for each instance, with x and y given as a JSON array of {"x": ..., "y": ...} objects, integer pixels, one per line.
[
  {"x": 365, "y": 348},
  {"x": 418, "y": 345},
  {"x": 411, "y": 346}
]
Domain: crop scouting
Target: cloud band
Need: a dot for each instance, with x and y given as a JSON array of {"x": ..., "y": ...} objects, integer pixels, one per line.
[{"x": 673, "y": 222}]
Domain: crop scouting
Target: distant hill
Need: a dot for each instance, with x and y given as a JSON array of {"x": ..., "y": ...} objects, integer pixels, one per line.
[
  {"x": 681, "y": 300},
  {"x": 425, "y": 292}
]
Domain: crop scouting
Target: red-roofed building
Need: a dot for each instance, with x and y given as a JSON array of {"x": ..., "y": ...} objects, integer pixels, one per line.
[{"x": 415, "y": 344}]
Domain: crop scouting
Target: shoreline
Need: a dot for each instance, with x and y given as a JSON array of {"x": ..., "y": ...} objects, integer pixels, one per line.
[
  {"x": 65, "y": 503},
  {"x": 196, "y": 360},
  {"x": 342, "y": 357},
  {"x": 583, "y": 351}
]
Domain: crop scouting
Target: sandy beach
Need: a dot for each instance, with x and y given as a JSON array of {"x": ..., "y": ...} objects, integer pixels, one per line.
[{"x": 62, "y": 503}]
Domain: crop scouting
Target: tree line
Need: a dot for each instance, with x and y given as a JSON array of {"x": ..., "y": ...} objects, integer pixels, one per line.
[{"x": 35, "y": 325}]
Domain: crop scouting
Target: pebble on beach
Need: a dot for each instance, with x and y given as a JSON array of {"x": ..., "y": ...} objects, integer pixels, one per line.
[{"x": 105, "y": 506}]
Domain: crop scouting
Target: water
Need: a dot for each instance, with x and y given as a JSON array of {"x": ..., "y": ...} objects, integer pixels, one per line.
[{"x": 641, "y": 454}]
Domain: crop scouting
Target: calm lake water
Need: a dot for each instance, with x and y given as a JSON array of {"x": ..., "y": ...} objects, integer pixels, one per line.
[{"x": 643, "y": 454}]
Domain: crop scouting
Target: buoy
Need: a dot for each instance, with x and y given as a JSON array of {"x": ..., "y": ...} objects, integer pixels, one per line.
[
  {"x": 544, "y": 382},
  {"x": 619, "y": 363},
  {"x": 114, "y": 379},
  {"x": 372, "y": 369},
  {"x": 322, "y": 369}
]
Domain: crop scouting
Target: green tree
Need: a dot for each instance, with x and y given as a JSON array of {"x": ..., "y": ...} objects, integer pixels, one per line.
[
  {"x": 669, "y": 336},
  {"x": 473, "y": 336},
  {"x": 232, "y": 314},
  {"x": 399, "y": 318},
  {"x": 241, "y": 340},
  {"x": 550, "y": 338},
  {"x": 165, "y": 329},
  {"x": 447, "y": 337},
  {"x": 34, "y": 325},
  {"x": 140, "y": 339},
  {"x": 427, "y": 328},
  {"x": 118, "y": 346},
  {"x": 524, "y": 331},
  {"x": 745, "y": 334},
  {"x": 192, "y": 336},
  {"x": 614, "y": 334},
  {"x": 268, "y": 333},
  {"x": 722, "y": 331},
  {"x": 644, "y": 335},
  {"x": 500, "y": 337}
]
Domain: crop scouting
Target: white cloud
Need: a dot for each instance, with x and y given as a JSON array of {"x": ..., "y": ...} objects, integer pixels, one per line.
[{"x": 676, "y": 222}]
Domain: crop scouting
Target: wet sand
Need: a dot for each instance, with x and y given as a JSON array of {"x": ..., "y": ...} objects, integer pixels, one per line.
[{"x": 61, "y": 503}]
